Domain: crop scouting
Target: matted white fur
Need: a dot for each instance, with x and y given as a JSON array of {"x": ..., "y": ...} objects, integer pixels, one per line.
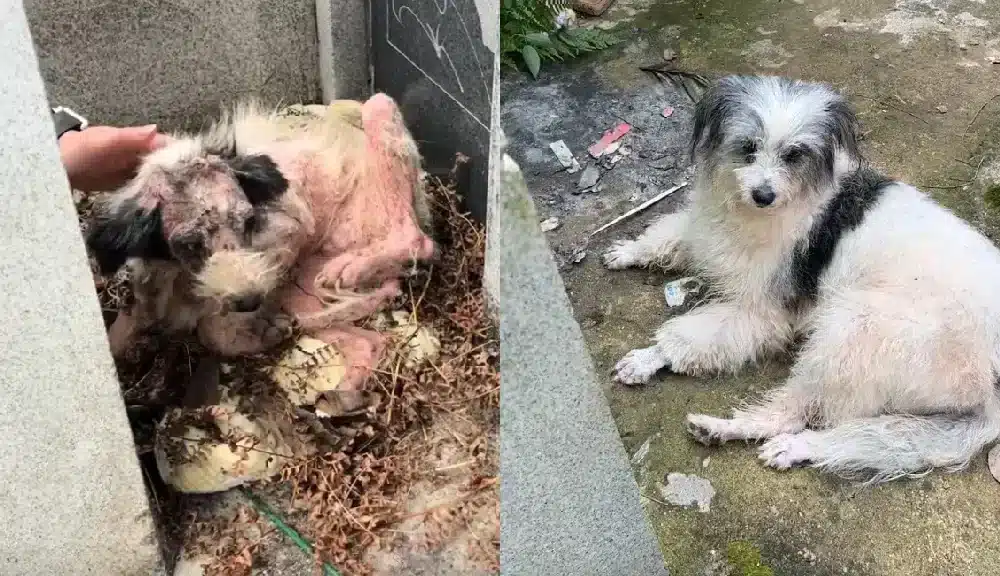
[
  {"x": 253, "y": 272},
  {"x": 898, "y": 371}
]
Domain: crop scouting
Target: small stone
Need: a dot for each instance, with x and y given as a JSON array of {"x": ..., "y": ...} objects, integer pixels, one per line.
[
  {"x": 549, "y": 224},
  {"x": 578, "y": 255},
  {"x": 688, "y": 490},
  {"x": 642, "y": 452},
  {"x": 942, "y": 109},
  {"x": 706, "y": 462},
  {"x": 669, "y": 55},
  {"x": 877, "y": 57},
  {"x": 591, "y": 174},
  {"x": 963, "y": 47},
  {"x": 994, "y": 462}
]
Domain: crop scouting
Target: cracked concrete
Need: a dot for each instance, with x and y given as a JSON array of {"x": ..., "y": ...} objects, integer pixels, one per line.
[{"x": 900, "y": 63}]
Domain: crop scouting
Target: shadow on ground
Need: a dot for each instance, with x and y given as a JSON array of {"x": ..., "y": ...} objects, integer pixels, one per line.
[{"x": 921, "y": 75}]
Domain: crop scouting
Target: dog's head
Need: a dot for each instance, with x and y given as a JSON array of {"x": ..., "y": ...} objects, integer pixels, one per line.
[
  {"x": 200, "y": 210},
  {"x": 773, "y": 140}
]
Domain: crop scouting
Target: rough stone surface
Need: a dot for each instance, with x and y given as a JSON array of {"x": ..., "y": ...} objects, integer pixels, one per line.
[
  {"x": 71, "y": 491},
  {"x": 343, "y": 49},
  {"x": 947, "y": 525},
  {"x": 175, "y": 62},
  {"x": 569, "y": 504}
]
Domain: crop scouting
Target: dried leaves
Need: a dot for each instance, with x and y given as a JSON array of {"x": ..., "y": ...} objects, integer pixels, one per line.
[{"x": 427, "y": 458}]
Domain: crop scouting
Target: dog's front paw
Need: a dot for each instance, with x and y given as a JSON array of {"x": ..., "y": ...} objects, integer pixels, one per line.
[
  {"x": 639, "y": 365},
  {"x": 274, "y": 329},
  {"x": 706, "y": 430},
  {"x": 622, "y": 254},
  {"x": 785, "y": 451}
]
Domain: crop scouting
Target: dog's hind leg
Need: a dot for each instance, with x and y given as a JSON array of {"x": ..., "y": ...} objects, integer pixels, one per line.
[
  {"x": 661, "y": 245},
  {"x": 889, "y": 446},
  {"x": 782, "y": 411},
  {"x": 719, "y": 337}
]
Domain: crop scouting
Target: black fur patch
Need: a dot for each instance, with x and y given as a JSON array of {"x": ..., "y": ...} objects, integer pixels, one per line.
[
  {"x": 132, "y": 232},
  {"x": 259, "y": 177},
  {"x": 711, "y": 112},
  {"x": 858, "y": 193}
]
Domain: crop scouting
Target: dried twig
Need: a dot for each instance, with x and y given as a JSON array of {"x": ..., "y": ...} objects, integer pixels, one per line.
[{"x": 980, "y": 111}]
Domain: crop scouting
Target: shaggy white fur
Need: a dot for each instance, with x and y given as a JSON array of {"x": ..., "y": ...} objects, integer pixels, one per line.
[{"x": 896, "y": 298}]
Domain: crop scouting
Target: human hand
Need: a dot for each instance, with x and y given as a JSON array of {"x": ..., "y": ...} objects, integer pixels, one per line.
[{"x": 103, "y": 158}]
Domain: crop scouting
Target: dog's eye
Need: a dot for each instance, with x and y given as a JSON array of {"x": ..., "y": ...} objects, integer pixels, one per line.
[
  {"x": 749, "y": 151},
  {"x": 190, "y": 246},
  {"x": 793, "y": 155},
  {"x": 250, "y": 225}
]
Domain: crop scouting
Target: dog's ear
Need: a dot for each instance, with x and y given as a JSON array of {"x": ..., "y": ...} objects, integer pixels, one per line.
[
  {"x": 129, "y": 231},
  {"x": 259, "y": 177},
  {"x": 711, "y": 112},
  {"x": 844, "y": 127}
]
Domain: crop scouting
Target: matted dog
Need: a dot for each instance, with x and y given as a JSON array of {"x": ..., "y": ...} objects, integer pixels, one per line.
[
  {"x": 896, "y": 299},
  {"x": 251, "y": 227}
]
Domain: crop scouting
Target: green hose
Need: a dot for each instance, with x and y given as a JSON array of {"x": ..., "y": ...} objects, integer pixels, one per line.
[{"x": 287, "y": 530}]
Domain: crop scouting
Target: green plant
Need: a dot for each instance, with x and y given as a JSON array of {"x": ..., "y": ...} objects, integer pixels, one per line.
[
  {"x": 746, "y": 558},
  {"x": 534, "y": 31}
]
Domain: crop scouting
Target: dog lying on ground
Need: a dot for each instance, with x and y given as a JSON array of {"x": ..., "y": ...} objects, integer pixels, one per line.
[
  {"x": 250, "y": 228},
  {"x": 894, "y": 296}
]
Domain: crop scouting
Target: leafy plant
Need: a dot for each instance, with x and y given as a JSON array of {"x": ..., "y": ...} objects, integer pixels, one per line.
[{"x": 535, "y": 31}]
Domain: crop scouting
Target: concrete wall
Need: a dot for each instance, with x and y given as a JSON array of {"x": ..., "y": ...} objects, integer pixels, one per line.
[
  {"x": 568, "y": 501},
  {"x": 174, "y": 62},
  {"x": 343, "y": 49},
  {"x": 71, "y": 494}
]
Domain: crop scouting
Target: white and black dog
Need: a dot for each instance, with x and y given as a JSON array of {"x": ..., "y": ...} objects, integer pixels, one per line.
[{"x": 897, "y": 299}]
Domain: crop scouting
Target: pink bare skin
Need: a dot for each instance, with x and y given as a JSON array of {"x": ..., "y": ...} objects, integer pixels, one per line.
[
  {"x": 337, "y": 227},
  {"x": 374, "y": 236}
]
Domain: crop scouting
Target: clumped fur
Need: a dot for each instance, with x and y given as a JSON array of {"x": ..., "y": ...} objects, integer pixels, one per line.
[
  {"x": 259, "y": 223},
  {"x": 893, "y": 296}
]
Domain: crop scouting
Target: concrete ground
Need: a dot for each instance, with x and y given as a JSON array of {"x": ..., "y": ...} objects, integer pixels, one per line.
[{"x": 919, "y": 72}]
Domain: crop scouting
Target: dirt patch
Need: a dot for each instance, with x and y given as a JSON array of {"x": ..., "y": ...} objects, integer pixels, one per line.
[{"x": 407, "y": 487}]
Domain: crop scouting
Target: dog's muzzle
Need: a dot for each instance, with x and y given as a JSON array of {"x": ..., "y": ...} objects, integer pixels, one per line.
[{"x": 763, "y": 196}]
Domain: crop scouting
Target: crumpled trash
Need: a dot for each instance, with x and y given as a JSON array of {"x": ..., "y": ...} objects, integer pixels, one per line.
[
  {"x": 308, "y": 369},
  {"x": 676, "y": 291},
  {"x": 218, "y": 447},
  {"x": 418, "y": 343},
  {"x": 994, "y": 462}
]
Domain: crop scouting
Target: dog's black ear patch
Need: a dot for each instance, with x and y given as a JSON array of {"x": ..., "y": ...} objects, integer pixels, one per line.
[
  {"x": 711, "y": 112},
  {"x": 844, "y": 126},
  {"x": 129, "y": 232},
  {"x": 259, "y": 177}
]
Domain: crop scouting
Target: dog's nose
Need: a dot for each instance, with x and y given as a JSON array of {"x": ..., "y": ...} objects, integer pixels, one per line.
[
  {"x": 762, "y": 196},
  {"x": 247, "y": 303}
]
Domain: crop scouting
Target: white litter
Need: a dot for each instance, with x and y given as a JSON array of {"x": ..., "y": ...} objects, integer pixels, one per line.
[
  {"x": 549, "y": 224},
  {"x": 640, "y": 207},
  {"x": 676, "y": 291},
  {"x": 565, "y": 157}
]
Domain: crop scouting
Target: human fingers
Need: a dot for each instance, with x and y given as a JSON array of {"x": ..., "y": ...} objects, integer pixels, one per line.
[{"x": 139, "y": 139}]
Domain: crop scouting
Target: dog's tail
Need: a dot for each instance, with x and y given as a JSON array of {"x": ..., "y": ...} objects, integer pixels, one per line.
[{"x": 895, "y": 446}]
